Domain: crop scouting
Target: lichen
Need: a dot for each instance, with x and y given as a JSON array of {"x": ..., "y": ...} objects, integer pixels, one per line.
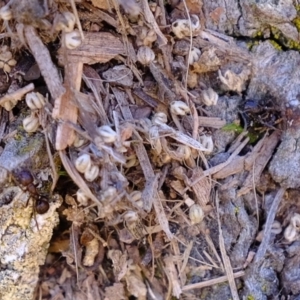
[{"x": 296, "y": 22}]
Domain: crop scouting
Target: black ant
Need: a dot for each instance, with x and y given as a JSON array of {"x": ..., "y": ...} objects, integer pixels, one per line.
[{"x": 25, "y": 179}]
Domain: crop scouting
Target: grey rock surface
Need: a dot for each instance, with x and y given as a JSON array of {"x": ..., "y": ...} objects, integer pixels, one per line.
[
  {"x": 276, "y": 76},
  {"x": 246, "y": 18},
  {"x": 285, "y": 164},
  {"x": 24, "y": 246}
]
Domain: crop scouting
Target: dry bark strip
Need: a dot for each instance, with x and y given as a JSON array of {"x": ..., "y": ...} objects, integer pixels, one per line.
[
  {"x": 65, "y": 108},
  {"x": 97, "y": 47},
  {"x": 43, "y": 59}
]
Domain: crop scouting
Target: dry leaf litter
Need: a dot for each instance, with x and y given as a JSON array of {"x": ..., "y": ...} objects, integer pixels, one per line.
[{"x": 149, "y": 150}]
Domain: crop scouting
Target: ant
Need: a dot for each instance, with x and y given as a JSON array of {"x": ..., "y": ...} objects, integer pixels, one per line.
[{"x": 25, "y": 179}]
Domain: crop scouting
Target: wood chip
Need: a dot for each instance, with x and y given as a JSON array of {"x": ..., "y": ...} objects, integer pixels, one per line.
[{"x": 97, "y": 47}]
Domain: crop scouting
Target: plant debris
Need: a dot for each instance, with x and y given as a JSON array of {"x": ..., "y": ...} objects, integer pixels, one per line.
[{"x": 160, "y": 139}]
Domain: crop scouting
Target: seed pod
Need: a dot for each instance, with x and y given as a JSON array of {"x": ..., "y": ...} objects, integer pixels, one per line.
[
  {"x": 295, "y": 221},
  {"x": 79, "y": 141},
  {"x": 130, "y": 161},
  {"x": 145, "y": 55},
  {"x": 65, "y": 22},
  {"x": 5, "y": 13},
  {"x": 179, "y": 108},
  {"x": 31, "y": 123},
  {"x": 159, "y": 118},
  {"x": 290, "y": 233},
  {"x": 195, "y": 22},
  {"x": 209, "y": 97},
  {"x": 6, "y": 68},
  {"x": 182, "y": 27},
  {"x": 35, "y": 100},
  {"x": 91, "y": 251},
  {"x": 91, "y": 173},
  {"x": 136, "y": 196},
  {"x": 72, "y": 39},
  {"x": 207, "y": 142},
  {"x": 184, "y": 151},
  {"x": 165, "y": 158},
  {"x": 107, "y": 134},
  {"x": 150, "y": 38},
  {"x": 83, "y": 163},
  {"x": 196, "y": 214},
  {"x": 194, "y": 55},
  {"x": 134, "y": 224},
  {"x": 12, "y": 62},
  {"x": 5, "y": 55},
  {"x": 82, "y": 198}
]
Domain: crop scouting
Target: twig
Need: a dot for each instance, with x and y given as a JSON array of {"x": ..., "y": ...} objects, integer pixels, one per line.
[
  {"x": 52, "y": 164},
  {"x": 74, "y": 242},
  {"x": 226, "y": 260},
  {"x": 190, "y": 45},
  {"x": 163, "y": 88},
  {"x": 171, "y": 273},
  {"x": 17, "y": 95},
  {"x": 268, "y": 227},
  {"x": 75, "y": 12},
  {"x": 152, "y": 22},
  {"x": 186, "y": 256},
  {"x": 210, "y": 282},
  {"x": 219, "y": 167},
  {"x": 164, "y": 129},
  {"x": 65, "y": 108}
]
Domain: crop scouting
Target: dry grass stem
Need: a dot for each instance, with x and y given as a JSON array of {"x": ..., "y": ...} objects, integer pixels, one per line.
[
  {"x": 44, "y": 61},
  {"x": 206, "y": 283}
]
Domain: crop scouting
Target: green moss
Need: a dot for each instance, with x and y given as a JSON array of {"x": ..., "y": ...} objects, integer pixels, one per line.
[
  {"x": 296, "y": 22},
  {"x": 297, "y": 7},
  {"x": 258, "y": 34},
  {"x": 276, "y": 45},
  {"x": 250, "y": 297},
  {"x": 233, "y": 127},
  {"x": 31, "y": 145},
  {"x": 278, "y": 38}
]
